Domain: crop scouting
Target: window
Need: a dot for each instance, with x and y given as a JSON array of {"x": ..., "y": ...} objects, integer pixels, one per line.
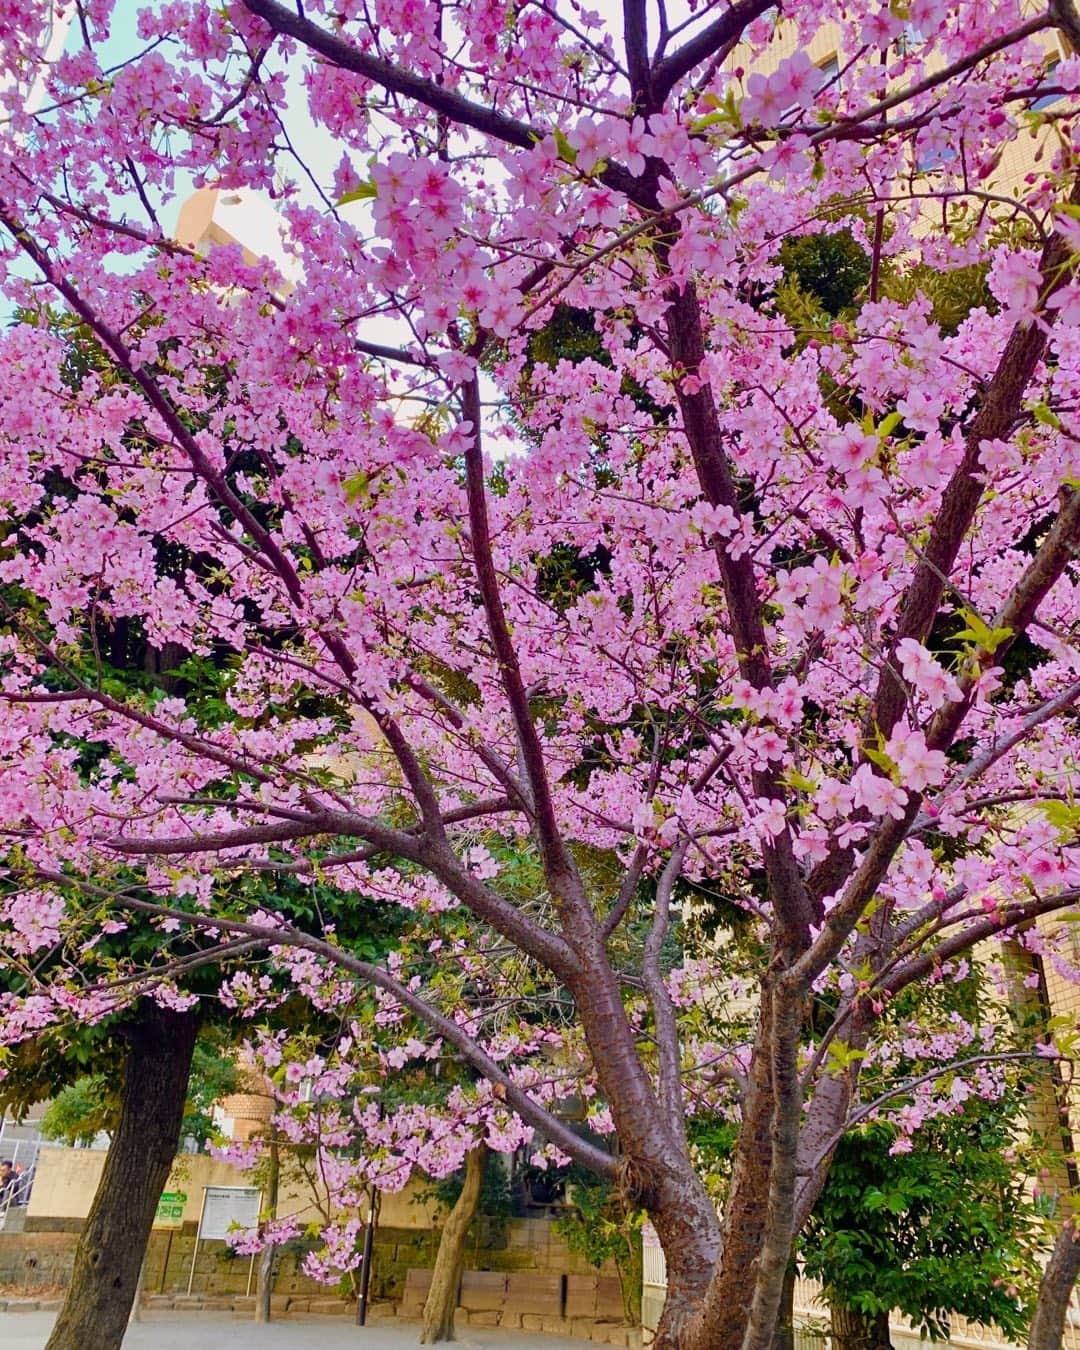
[
  {"x": 1047, "y": 100},
  {"x": 830, "y": 69},
  {"x": 933, "y": 151},
  {"x": 909, "y": 39}
]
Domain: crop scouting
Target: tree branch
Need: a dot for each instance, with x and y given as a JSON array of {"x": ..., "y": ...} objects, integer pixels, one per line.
[
  {"x": 560, "y": 1134},
  {"x": 457, "y": 109},
  {"x": 720, "y": 33},
  {"x": 667, "y": 1034}
]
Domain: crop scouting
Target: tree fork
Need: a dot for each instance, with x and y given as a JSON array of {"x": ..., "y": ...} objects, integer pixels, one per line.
[{"x": 113, "y": 1241}]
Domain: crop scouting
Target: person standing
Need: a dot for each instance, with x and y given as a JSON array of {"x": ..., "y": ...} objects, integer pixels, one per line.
[{"x": 7, "y": 1183}]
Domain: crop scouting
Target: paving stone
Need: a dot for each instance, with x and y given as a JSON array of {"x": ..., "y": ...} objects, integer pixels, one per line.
[
  {"x": 581, "y": 1294},
  {"x": 535, "y": 1293},
  {"x": 328, "y": 1306},
  {"x": 484, "y": 1290}
]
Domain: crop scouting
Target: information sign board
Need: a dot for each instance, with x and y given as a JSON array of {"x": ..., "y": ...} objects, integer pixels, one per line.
[
  {"x": 228, "y": 1207},
  {"x": 170, "y": 1209}
]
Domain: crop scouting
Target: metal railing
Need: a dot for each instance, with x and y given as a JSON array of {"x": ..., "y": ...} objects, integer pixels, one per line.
[{"x": 16, "y": 1149}]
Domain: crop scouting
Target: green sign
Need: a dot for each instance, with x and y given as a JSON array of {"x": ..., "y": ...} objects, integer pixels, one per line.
[{"x": 170, "y": 1210}]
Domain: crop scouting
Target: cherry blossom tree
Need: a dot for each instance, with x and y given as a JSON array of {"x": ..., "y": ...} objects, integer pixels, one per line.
[{"x": 818, "y": 658}]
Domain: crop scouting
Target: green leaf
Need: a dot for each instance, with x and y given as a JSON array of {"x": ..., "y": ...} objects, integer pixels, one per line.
[
  {"x": 1064, "y": 818},
  {"x": 566, "y": 151},
  {"x": 1047, "y": 418},
  {"x": 987, "y": 639},
  {"x": 357, "y": 488},
  {"x": 883, "y": 761},
  {"x": 888, "y": 425},
  {"x": 841, "y": 1056},
  {"x": 359, "y": 194}
]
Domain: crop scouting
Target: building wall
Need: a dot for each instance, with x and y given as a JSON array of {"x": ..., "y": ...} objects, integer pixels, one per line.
[
  {"x": 1019, "y": 155},
  {"x": 68, "y": 1177},
  {"x": 515, "y": 1268}
]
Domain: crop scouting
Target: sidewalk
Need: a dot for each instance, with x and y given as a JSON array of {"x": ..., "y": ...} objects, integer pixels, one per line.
[{"x": 188, "y": 1331}]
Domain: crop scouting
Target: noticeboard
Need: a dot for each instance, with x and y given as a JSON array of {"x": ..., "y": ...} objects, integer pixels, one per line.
[
  {"x": 228, "y": 1207},
  {"x": 170, "y": 1209}
]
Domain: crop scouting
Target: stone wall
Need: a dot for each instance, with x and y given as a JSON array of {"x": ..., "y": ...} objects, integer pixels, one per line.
[
  {"x": 32, "y": 1261},
  {"x": 42, "y": 1255},
  {"x": 516, "y": 1269}
]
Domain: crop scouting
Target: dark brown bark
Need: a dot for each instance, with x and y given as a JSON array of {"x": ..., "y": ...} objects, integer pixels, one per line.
[
  {"x": 1058, "y": 1281},
  {"x": 852, "y": 1329},
  {"x": 110, "y": 1251},
  {"x": 793, "y": 912},
  {"x": 438, "y": 1320},
  {"x": 264, "y": 1275}
]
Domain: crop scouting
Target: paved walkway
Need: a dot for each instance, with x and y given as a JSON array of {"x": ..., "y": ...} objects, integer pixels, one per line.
[{"x": 195, "y": 1331}]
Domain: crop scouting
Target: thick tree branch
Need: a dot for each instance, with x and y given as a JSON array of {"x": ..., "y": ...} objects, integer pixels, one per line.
[
  {"x": 702, "y": 46},
  {"x": 562, "y": 874},
  {"x": 686, "y": 338},
  {"x": 456, "y": 108},
  {"x": 667, "y": 1033},
  {"x": 557, "y": 1131},
  {"x": 1008, "y": 917},
  {"x": 636, "y": 38}
]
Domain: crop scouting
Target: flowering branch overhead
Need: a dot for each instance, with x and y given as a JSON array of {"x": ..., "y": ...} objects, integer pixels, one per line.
[{"x": 619, "y": 525}]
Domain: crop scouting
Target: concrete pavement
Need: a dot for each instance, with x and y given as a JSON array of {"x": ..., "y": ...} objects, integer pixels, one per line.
[{"x": 199, "y": 1331}]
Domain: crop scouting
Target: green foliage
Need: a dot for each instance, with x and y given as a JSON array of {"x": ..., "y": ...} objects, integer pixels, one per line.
[
  {"x": 81, "y": 1112},
  {"x": 948, "y": 1227},
  {"x": 594, "y": 1225},
  {"x": 566, "y": 574},
  {"x": 214, "y": 1075},
  {"x": 832, "y": 268},
  {"x": 592, "y": 1221},
  {"x": 952, "y": 293},
  {"x": 495, "y": 1198},
  {"x": 89, "y": 1106},
  {"x": 569, "y": 335}
]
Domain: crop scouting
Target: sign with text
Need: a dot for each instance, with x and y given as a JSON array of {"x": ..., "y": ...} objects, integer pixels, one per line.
[
  {"x": 170, "y": 1209},
  {"x": 227, "y": 1207}
]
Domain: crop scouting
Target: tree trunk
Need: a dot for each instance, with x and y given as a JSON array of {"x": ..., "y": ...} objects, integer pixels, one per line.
[
  {"x": 852, "y": 1329},
  {"x": 784, "y": 1335},
  {"x": 1055, "y": 1289},
  {"x": 113, "y": 1241},
  {"x": 742, "y": 1300},
  {"x": 438, "y": 1323},
  {"x": 264, "y": 1274}
]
